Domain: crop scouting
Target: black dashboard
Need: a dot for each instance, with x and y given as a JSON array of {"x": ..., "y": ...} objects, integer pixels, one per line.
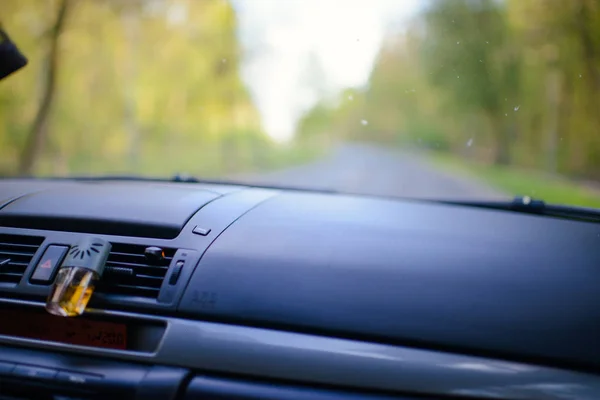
[{"x": 283, "y": 294}]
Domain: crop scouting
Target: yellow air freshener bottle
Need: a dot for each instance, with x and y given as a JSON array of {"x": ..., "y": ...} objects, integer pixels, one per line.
[{"x": 76, "y": 277}]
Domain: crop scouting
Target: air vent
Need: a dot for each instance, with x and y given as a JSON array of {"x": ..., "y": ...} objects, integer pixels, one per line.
[
  {"x": 16, "y": 253},
  {"x": 134, "y": 270}
]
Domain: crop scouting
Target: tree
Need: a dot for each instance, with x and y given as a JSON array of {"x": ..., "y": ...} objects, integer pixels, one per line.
[
  {"x": 39, "y": 129},
  {"x": 469, "y": 52},
  {"x": 137, "y": 86}
]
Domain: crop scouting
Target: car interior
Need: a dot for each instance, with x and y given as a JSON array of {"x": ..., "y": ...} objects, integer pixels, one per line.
[
  {"x": 116, "y": 287},
  {"x": 232, "y": 292}
]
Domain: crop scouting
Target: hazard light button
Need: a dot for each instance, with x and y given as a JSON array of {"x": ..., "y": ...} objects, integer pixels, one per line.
[{"x": 48, "y": 264}]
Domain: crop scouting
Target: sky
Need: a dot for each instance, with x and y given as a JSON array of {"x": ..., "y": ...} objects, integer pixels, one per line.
[{"x": 296, "y": 51}]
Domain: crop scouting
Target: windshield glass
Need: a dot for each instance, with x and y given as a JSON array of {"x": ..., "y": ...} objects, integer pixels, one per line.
[{"x": 446, "y": 99}]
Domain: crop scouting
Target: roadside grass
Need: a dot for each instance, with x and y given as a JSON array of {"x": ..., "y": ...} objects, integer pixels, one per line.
[
  {"x": 290, "y": 156},
  {"x": 209, "y": 162},
  {"x": 518, "y": 182}
]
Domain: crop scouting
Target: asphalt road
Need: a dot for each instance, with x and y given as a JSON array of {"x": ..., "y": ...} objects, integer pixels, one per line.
[{"x": 369, "y": 169}]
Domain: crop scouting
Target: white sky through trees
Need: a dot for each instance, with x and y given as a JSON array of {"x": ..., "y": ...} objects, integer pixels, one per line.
[{"x": 295, "y": 49}]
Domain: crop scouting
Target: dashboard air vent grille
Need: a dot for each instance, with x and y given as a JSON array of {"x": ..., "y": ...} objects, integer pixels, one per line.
[
  {"x": 16, "y": 252},
  {"x": 131, "y": 271}
]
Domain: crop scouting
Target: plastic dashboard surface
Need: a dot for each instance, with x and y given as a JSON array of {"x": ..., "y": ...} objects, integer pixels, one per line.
[
  {"x": 127, "y": 208},
  {"x": 404, "y": 296},
  {"x": 458, "y": 278},
  {"x": 228, "y": 204}
]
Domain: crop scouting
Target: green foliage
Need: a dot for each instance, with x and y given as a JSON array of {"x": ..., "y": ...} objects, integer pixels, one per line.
[
  {"x": 520, "y": 182},
  {"x": 315, "y": 122},
  {"x": 144, "y": 86},
  {"x": 464, "y": 50},
  {"x": 500, "y": 82}
]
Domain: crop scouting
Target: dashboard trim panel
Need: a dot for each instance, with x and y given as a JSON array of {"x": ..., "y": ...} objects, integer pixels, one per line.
[{"x": 306, "y": 358}]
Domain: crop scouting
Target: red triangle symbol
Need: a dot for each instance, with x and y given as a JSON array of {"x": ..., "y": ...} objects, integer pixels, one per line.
[{"x": 47, "y": 264}]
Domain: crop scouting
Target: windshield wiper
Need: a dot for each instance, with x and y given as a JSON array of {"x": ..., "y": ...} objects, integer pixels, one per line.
[{"x": 528, "y": 205}]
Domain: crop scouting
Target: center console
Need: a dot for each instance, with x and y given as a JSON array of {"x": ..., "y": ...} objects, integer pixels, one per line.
[{"x": 35, "y": 374}]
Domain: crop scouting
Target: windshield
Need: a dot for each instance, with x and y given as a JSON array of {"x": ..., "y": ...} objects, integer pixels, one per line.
[{"x": 447, "y": 99}]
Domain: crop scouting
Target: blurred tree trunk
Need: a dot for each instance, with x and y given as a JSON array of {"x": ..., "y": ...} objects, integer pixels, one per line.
[
  {"x": 586, "y": 35},
  {"x": 587, "y": 31},
  {"x": 39, "y": 130},
  {"x": 130, "y": 23},
  {"x": 554, "y": 92},
  {"x": 501, "y": 138}
]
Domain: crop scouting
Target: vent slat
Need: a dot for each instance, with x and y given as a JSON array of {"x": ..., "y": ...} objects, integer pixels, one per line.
[
  {"x": 11, "y": 268},
  {"x": 115, "y": 263},
  {"x": 16, "y": 263},
  {"x": 16, "y": 252},
  {"x": 31, "y": 247},
  {"x": 130, "y": 290},
  {"x": 120, "y": 254},
  {"x": 157, "y": 278},
  {"x": 145, "y": 277},
  {"x": 21, "y": 240},
  {"x": 15, "y": 274},
  {"x": 141, "y": 269},
  {"x": 137, "y": 280},
  {"x": 137, "y": 287},
  {"x": 10, "y": 278},
  {"x": 140, "y": 257}
]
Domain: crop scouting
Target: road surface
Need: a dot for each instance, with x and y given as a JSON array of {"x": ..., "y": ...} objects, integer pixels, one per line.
[{"x": 374, "y": 170}]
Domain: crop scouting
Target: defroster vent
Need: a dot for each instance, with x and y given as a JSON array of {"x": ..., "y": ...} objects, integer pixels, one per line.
[
  {"x": 135, "y": 270},
  {"x": 16, "y": 252}
]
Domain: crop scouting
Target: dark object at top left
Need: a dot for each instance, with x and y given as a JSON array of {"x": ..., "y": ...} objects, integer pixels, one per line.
[{"x": 11, "y": 59}]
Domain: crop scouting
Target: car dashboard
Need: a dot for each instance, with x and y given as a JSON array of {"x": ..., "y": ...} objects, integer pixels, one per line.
[{"x": 265, "y": 293}]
